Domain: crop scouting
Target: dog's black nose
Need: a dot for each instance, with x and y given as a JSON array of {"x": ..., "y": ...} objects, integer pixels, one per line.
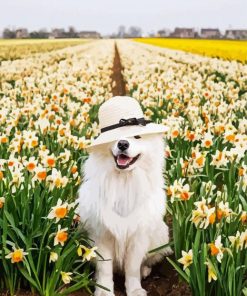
[{"x": 123, "y": 145}]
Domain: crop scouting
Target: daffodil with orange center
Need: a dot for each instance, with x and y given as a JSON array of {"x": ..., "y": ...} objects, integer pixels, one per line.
[
  {"x": 242, "y": 170},
  {"x": 220, "y": 159},
  {"x": 2, "y": 201},
  {"x": 243, "y": 217},
  {"x": 61, "y": 236},
  {"x": 74, "y": 169},
  {"x": 41, "y": 175},
  {"x": 17, "y": 255},
  {"x": 202, "y": 215},
  {"x": 212, "y": 218},
  {"x": 30, "y": 164},
  {"x": 217, "y": 249},
  {"x": 60, "y": 211},
  {"x": 4, "y": 140},
  {"x": 230, "y": 138},
  {"x": 223, "y": 210},
  {"x": 87, "y": 100},
  {"x": 185, "y": 195},
  {"x": 50, "y": 162},
  {"x": 190, "y": 136},
  {"x": 207, "y": 141},
  {"x": 175, "y": 134},
  {"x": 200, "y": 161}
]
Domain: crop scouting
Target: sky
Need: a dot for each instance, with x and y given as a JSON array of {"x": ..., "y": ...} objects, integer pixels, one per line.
[{"x": 105, "y": 16}]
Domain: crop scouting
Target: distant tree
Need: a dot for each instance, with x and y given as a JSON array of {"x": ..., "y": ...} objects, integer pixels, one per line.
[
  {"x": 9, "y": 34},
  {"x": 72, "y": 32},
  {"x": 41, "y": 34},
  {"x": 134, "y": 32},
  {"x": 121, "y": 31},
  {"x": 58, "y": 33}
]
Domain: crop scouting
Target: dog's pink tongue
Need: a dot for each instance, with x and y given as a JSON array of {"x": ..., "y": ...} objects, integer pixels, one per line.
[{"x": 123, "y": 160}]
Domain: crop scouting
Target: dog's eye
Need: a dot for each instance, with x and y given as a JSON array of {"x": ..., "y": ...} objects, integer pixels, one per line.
[{"x": 137, "y": 137}]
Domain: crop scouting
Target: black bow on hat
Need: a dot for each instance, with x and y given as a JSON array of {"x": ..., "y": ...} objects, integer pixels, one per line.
[{"x": 125, "y": 122}]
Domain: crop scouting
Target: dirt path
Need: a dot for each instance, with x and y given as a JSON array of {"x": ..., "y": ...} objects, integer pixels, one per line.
[{"x": 118, "y": 84}]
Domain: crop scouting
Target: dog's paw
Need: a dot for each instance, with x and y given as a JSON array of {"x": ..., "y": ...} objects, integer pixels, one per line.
[
  {"x": 146, "y": 271},
  {"x": 101, "y": 292},
  {"x": 168, "y": 251},
  {"x": 138, "y": 292}
]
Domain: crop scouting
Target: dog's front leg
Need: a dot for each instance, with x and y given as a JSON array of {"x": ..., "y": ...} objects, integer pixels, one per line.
[
  {"x": 104, "y": 269},
  {"x": 136, "y": 253}
]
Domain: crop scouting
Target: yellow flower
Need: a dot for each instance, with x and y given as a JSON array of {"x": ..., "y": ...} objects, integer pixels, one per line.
[
  {"x": 187, "y": 259},
  {"x": 235, "y": 240},
  {"x": 53, "y": 257},
  {"x": 66, "y": 277},
  {"x": 56, "y": 180},
  {"x": 86, "y": 253},
  {"x": 243, "y": 239},
  {"x": 211, "y": 272},
  {"x": 17, "y": 255}
]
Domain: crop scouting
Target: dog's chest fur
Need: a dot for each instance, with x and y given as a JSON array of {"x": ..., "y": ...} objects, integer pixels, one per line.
[{"x": 125, "y": 193}]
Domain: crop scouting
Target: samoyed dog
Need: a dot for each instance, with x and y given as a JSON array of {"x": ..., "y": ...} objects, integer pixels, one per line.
[{"x": 122, "y": 201}]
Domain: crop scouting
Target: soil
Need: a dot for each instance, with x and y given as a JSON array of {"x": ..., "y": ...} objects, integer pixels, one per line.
[
  {"x": 118, "y": 83},
  {"x": 163, "y": 280}
]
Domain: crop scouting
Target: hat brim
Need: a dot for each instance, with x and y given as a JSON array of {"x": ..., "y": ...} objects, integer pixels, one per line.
[{"x": 127, "y": 131}]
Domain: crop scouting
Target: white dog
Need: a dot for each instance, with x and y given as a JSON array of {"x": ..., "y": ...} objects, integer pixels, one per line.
[{"x": 122, "y": 197}]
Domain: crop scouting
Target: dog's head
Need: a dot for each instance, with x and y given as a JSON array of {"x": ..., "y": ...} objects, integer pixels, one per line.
[{"x": 127, "y": 154}]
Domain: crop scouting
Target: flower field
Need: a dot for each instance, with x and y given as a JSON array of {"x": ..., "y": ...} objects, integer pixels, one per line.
[
  {"x": 19, "y": 48},
  {"x": 225, "y": 49},
  {"x": 203, "y": 101},
  {"x": 48, "y": 115}
]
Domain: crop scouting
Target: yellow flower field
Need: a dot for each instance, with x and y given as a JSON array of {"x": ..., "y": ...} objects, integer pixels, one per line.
[
  {"x": 225, "y": 49},
  {"x": 11, "y": 49}
]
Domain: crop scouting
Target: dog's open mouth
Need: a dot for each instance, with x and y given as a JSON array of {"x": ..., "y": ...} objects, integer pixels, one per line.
[{"x": 123, "y": 161}]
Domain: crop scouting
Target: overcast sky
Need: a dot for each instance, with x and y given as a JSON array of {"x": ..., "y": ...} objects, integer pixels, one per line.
[{"x": 106, "y": 15}]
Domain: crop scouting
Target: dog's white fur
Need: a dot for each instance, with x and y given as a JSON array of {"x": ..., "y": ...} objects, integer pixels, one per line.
[{"x": 124, "y": 211}]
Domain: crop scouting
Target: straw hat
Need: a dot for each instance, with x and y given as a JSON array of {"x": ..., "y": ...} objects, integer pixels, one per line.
[{"x": 122, "y": 117}]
